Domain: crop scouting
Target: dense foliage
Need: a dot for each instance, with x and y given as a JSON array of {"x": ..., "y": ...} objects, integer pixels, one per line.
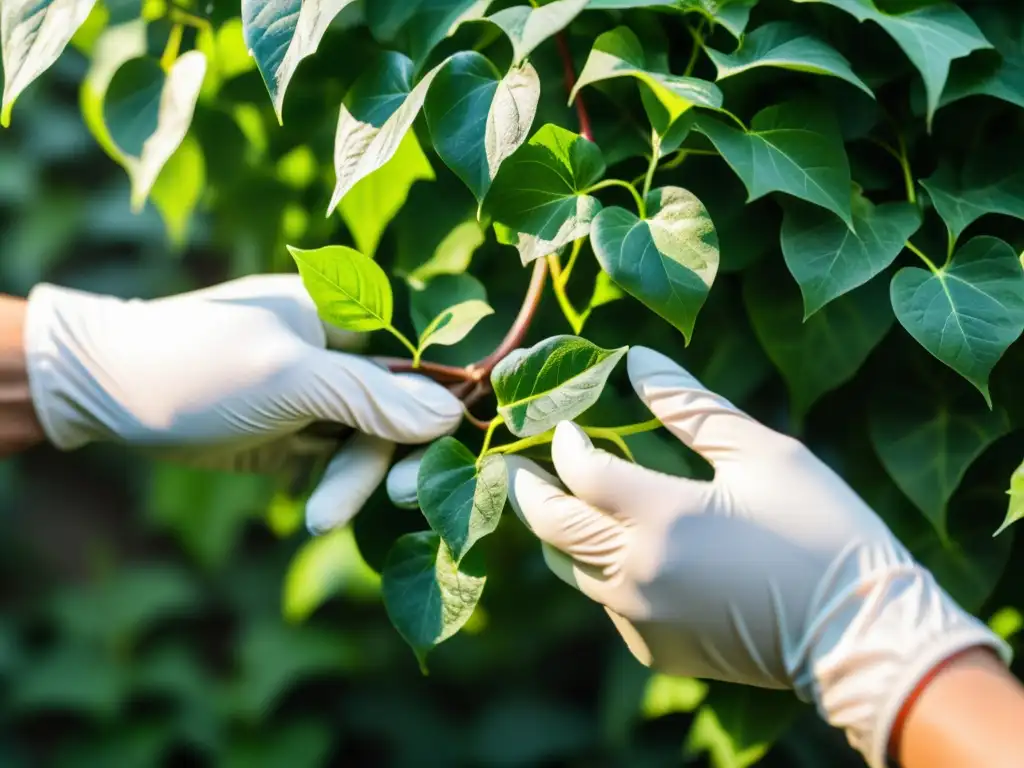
[{"x": 820, "y": 215}]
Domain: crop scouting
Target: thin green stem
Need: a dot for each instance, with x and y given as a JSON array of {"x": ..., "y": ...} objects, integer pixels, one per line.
[
  {"x": 577, "y": 246},
  {"x": 496, "y": 422},
  {"x": 735, "y": 119},
  {"x": 170, "y": 54},
  {"x": 950, "y": 246},
  {"x": 915, "y": 250},
  {"x": 652, "y": 166},
  {"x": 698, "y": 46},
  {"x": 558, "y": 285},
  {"x": 640, "y": 207},
  {"x": 636, "y": 429},
  {"x": 406, "y": 343},
  {"x": 612, "y": 436},
  {"x": 521, "y": 445},
  {"x": 908, "y": 176},
  {"x": 183, "y": 16}
]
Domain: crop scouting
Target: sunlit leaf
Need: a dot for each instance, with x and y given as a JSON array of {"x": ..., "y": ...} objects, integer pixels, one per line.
[
  {"x": 527, "y": 27},
  {"x": 454, "y": 323},
  {"x": 350, "y": 290},
  {"x": 179, "y": 188},
  {"x": 325, "y": 566},
  {"x": 1015, "y": 511}
]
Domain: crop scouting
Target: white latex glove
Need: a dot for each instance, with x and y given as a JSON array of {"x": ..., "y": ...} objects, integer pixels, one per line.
[
  {"x": 225, "y": 378},
  {"x": 775, "y": 574}
]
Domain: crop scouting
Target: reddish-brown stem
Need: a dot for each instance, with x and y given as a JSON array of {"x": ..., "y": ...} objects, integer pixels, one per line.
[
  {"x": 517, "y": 332},
  {"x": 570, "y": 82},
  {"x": 443, "y": 374}
]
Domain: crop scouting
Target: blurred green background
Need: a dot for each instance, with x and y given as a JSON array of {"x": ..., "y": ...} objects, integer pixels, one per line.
[{"x": 155, "y": 616}]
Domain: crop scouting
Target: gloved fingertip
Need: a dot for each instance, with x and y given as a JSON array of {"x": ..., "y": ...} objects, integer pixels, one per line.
[
  {"x": 651, "y": 371},
  {"x": 403, "y": 479},
  {"x": 439, "y": 412},
  {"x": 528, "y": 485},
  {"x": 348, "y": 482},
  {"x": 570, "y": 442}
]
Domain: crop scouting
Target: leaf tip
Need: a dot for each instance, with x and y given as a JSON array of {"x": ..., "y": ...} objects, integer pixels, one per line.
[{"x": 5, "y": 114}]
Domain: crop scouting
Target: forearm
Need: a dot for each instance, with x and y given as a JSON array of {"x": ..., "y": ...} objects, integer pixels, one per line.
[
  {"x": 19, "y": 427},
  {"x": 970, "y": 713}
]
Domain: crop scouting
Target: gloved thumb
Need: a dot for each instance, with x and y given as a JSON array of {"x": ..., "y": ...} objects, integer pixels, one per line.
[{"x": 350, "y": 479}]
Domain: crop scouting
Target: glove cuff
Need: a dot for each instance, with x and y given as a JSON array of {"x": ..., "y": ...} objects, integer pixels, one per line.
[
  {"x": 63, "y": 393},
  {"x": 883, "y": 636}
]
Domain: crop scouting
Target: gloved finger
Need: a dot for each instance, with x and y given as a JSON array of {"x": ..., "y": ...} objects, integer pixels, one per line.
[
  {"x": 351, "y": 390},
  {"x": 703, "y": 420},
  {"x": 403, "y": 479},
  {"x": 587, "y": 580},
  {"x": 585, "y": 533},
  {"x": 616, "y": 485},
  {"x": 349, "y": 480}
]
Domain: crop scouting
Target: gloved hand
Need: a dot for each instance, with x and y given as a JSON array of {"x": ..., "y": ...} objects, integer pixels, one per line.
[
  {"x": 225, "y": 378},
  {"x": 775, "y": 574}
]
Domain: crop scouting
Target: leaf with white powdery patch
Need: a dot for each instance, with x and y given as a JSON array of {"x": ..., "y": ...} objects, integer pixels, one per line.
[
  {"x": 787, "y": 46},
  {"x": 968, "y": 312},
  {"x": 827, "y": 260},
  {"x": 790, "y": 147},
  {"x": 461, "y": 498},
  {"x": 478, "y": 118},
  {"x": 540, "y": 191},
  {"x": 555, "y": 380},
  {"x": 350, "y": 290},
  {"x": 32, "y": 35},
  {"x": 528, "y": 27},
  {"x": 667, "y": 261},
  {"x": 428, "y": 596},
  {"x": 281, "y": 33},
  {"x": 147, "y": 114}
]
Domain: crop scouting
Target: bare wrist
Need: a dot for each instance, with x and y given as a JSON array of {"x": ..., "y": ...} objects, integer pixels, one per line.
[{"x": 19, "y": 426}]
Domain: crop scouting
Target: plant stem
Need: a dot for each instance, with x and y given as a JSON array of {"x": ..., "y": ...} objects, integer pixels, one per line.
[
  {"x": 636, "y": 429},
  {"x": 184, "y": 16},
  {"x": 577, "y": 246},
  {"x": 698, "y": 45},
  {"x": 908, "y": 176},
  {"x": 170, "y": 54},
  {"x": 444, "y": 374},
  {"x": 521, "y": 445},
  {"x": 496, "y": 422},
  {"x": 735, "y": 119},
  {"x": 611, "y": 434},
  {"x": 640, "y": 206},
  {"x": 652, "y": 166},
  {"x": 951, "y": 246},
  {"x": 558, "y": 282},
  {"x": 408, "y": 344},
  {"x": 914, "y": 249},
  {"x": 570, "y": 83},
  {"x": 612, "y": 437}
]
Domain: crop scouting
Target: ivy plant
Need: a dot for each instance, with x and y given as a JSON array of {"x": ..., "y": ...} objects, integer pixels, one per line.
[{"x": 803, "y": 197}]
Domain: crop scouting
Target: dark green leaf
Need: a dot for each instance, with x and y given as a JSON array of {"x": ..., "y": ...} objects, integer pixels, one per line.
[
  {"x": 478, "y": 118},
  {"x": 540, "y": 191},
  {"x": 731, "y": 14},
  {"x": 619, "y": 53},
  {"x": 789, "y": 147},
  {"x": 827, "y": 260},
  {"x": 461, "y": 498},
  {"x": 788, "y": 46},
  {"x": 555, "y": 380},
  {"x": 528, "y": 27},
  {"x": 350, "y": 290},
  {"x": 668, "y": 261},
  {"x": 1003, "y": 26},
  {"x": 820, "y": 353},
  {"x": 281, "y": 33},
  {"x": 417, "y": 26},
  {"x": 427, "y": 596},
  {"x": 927, "y": 442},
  {"x": 967, "y": 312}
]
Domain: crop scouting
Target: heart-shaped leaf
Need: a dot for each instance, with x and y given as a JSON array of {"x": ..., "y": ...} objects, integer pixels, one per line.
[
  {"x": 540, "y": 191},
  {"x": 453, "y": 324},
  {"x": 461, "y": 498},
  {"x": 33, "y": 33},
  {"x": 428, "y": 596},
  {"x": 667, "y": 261},
  {"x": 555, "y": 380},
  {"x": 350, "y": 290},
  {"x": 281, "y": 33},
  {"x": 1002, "y": 26},
  {"x": 785, "y": 45},
  {"x": 791, "y": 147},
  {"x": 619, "y": 53},
  {"x": 478, "y": 118},
  {"x": 147, "y": 114},
  {"x": 528, "y": 27},
  {"x": 967, "y": 312},
  {"x": 827, "y": 260},
  {"x": 378, "y": 110}
]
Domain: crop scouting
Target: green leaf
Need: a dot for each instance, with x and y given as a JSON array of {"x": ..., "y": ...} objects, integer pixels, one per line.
[
  {"x": 178, "y": 189},
  {"x": 325, "y": 566},
  {"x": 417, "y": 26},
  {"x": 428, "y": 596},
  {"x": 1003, "y": 26},
  {"x": 350, "y": 290},
  {"x": 374, "y": 201},
  {"x": 552, "y": 381},
  {"x": 991, "y": 181},
  {"x": 281, "y": 33},
  {"x": 785, "y": 45},
  {"x": 619, "y": 53},
  {"x": 731, "y": 14},
  {"x": 444, "y": 291},
  {"x": 148, "y": 113},
  {"x": 461, "y": 498},
  {"x": 790, "y": 147},
  {"x": 454, "y": 324},
  {"x": 528, "y": 27},
  {"x": 926, "y": 443},
  {"x": 378, "y": 110},
  {"x": 32, "y": 34},
  {"x": 667, "y": 261},
  {"x": 1016, "y": 493},
  {"x": 828, "y": 260},
  {"x": 932, "y": 36},
  {"x": 967, "y": 312},
  {"x": 820, "y": 353},
  {"x": 605, "y": 292},
  {"x": 478, "y": 118},
  {"x": 540, "y": 191}
]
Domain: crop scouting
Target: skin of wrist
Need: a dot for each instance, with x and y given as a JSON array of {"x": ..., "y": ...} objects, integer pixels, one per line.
[{"x": 19, "y": 425}]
